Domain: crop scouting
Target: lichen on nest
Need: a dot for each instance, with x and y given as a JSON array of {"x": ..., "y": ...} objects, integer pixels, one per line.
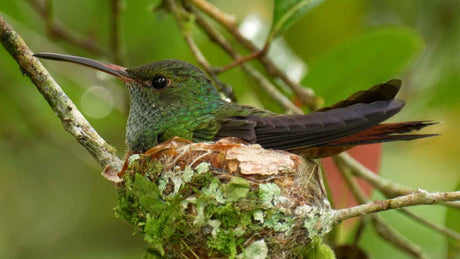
[{"x": 218, "y": 200}]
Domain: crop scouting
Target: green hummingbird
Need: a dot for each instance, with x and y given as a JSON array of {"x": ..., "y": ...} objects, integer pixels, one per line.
[{"x": 171, "y": 98}]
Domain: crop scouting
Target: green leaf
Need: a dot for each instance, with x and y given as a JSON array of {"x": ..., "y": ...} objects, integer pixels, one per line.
[
  {"x": 363, "y": 61},
  {"x": 453, "y": 222},
  {"x": 214, "y": 191},
  {"x": 288, "y": 12},
  {"x": 268, "y": 192},
  {"x": 317, "y": 250},
  {"x": 236, "y": 189},
  {"x": 257, "y": 250}
]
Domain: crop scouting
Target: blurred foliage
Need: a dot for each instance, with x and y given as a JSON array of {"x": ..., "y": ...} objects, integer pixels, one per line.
[
  {"x": 288, "y": 12},
  {"x": 453, "y": 222},
  {"x": 55, "y": 204},
  {"x": 367, "y": 59}
]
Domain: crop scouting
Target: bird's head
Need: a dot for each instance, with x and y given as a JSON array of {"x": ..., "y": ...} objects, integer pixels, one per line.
[
  {"x": 164, "y": 96},
  {"x": 162, "y": 84}
]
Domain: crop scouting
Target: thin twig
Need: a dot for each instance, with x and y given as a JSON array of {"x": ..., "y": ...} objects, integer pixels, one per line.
[
  {"x": 57, "y": 31},
  {"x": 389, "y": 234},
  {"x": 49, "y": 15},
  {"x": 217, "y": 14},
  {"x": 386, "y": 187},
  {"x": 71, "y": 118},
  {"x": 271, "y": 90},
  {"x": 306, "y": 95},
  {"x": 115, "y": 31},
  {"x": 420, "y": 197},
  {"x": 215, "y": 36},
  {"x": 221, "y": 86},
  {"x": 438, "y": 228},
  {"x": 382, "y": 228},
  {"x": 242, "y": 60}
]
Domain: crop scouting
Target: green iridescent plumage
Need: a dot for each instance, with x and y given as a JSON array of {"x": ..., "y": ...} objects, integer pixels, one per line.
[
  {"x": 189, "y": 107},
  {"x": 174, "y": 98}
]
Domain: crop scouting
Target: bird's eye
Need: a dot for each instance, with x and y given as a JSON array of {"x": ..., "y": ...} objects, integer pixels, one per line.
[{"x": 160, "y": 82}]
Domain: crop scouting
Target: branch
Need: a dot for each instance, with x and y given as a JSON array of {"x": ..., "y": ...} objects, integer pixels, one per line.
[
  {"x": 395, "y": 238},
  {"x": 306, "y": 95},
  {"x": 242, "y": 60},
  {"x": 178, "y": 16},
  {"x": 269, "y": 88},
  {"x": 72, "y": 120},
  {"x": 225, "y": 19},
  {"x": 363, "y": 199},
  {"x": 419, "y": 197},
  {"x": 115, "y": 31},
  {"x": 383, "y": 229},
  {"x": 57, "y": 31},
  {"x": 438, "y": 228},
  {"x": 388, "y": 188}
]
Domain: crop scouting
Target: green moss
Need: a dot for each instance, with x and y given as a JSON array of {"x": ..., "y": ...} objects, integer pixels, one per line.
[
  {"x": 228, "y": 214},
  {"x": 226, "y": 242},
  {"x": 188, "y": 210}
]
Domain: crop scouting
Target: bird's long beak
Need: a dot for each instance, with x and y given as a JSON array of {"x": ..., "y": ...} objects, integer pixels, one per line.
[{"x": 112, "y": 69}]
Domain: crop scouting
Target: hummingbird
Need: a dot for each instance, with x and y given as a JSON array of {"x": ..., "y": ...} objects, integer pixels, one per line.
[{"x": 171, "y": 98}]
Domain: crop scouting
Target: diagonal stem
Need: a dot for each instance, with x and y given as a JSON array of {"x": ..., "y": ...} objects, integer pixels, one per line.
[
  {"x": 115, "y": 45},
  {"x": 382, "y": 228},
  {"x": 306, "y": 95},
  {"x": 178, "y": 16},
  {"x": 263, "y": 82},
  {"x": 388, "y": 188},
  {"x": 57, "y": 31},
  {"x": 438, "y": 228},
  {"x": 72, "y": 120},
  {"x": 242, "y": 60}
]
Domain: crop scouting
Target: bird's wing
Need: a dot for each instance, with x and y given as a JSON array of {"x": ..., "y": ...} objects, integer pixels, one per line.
[
  {"x": 381, "y": 92},
  {"x": 289, "y": 132},
  {"x": 231, "y": 120},
  {"x": 214, "y": 129},
  {"x": 360, "y": 111}
]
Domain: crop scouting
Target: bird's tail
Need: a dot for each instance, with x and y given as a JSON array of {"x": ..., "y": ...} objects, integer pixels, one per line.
[
  {"x": 383, "y": 133},
  {"x": 378, "y": 134}
]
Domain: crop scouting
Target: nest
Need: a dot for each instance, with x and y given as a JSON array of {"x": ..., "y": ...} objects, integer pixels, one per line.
[{"x": 226, "y": 199}]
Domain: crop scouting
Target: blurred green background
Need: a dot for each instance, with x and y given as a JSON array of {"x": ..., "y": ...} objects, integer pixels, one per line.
[{"x": 55, "y": 204}]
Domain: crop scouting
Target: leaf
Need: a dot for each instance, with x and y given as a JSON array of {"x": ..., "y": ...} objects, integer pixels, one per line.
[
  {"x": 453, "y": 222},
  {"x": 363, "y": 61},
  {"x": 257, "y": 250},
  {"x": 288, "y": 12},
  {"x": 318, "y": 250},
  {"x": 268, "y": 192},
  {"x": 236, "y": 189}
]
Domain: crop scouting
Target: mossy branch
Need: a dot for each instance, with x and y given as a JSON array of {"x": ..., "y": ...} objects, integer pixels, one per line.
[
  {"x": 388, "y": 188},
  {"x": 73, "y": 121},
  {"x": 420, "y": 197}
]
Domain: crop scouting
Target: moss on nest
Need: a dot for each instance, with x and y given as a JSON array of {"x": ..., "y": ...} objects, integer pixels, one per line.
[{"x": 206, "y": 213}]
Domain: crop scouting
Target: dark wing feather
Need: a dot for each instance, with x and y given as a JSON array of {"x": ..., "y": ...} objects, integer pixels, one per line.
[
  {"x": 381, "y": 92},
  {"x": 360, "y": 111},
  {"x": 322, "y": 127},
  {"x": 240, "y": 128}
]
